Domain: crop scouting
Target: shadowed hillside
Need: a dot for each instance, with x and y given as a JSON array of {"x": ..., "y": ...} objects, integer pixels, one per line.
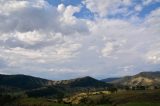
[
  {"x": 23, "y": 81},
  {"x": 84, "y": 82}
]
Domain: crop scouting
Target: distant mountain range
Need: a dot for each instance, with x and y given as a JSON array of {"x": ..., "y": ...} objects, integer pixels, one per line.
[
  {"x": 141, "y": 79},
  {"x": 39, "y": 87},
  {"x": 78, "y": 90},
  {"x": 29, "y": 82},
  {"x": 83, "y": 82},
  {"x": 110, "y": 79}
]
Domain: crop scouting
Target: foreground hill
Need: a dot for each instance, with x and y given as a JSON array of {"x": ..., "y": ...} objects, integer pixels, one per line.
[{"x": 141, "y": 79}]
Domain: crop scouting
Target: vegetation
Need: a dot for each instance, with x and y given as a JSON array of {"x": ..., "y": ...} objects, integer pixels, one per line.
[
  {"x": 85, "y": 91},
  {"x": 141, "y": 81},
  {"x": 101, "y": 98},
  {"x": 22, "y": 81}
]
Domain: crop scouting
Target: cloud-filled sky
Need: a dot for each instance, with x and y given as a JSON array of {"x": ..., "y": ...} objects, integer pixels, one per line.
[{"x": 63, "y": 39}]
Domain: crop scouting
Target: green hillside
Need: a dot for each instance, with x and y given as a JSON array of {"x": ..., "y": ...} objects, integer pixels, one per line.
[{"x": 23, "y": 81}]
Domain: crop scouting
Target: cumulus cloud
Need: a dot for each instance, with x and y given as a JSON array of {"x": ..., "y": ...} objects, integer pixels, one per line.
[
  {"x": 154, "y": 56},
  {"x": 111, "y": 48},
  {"x": 147, "y": 2},
  {"x": 102, "y": 8},
  {"x": 38, "y": 15},
  {"x": 39, "y": 39},
  {"x": 138, "y": 8}
]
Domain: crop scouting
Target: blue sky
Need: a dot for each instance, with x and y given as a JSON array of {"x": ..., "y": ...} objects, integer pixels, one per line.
[
  {"x": 86, "y": 13},
  {"x": 148, "y": 9},
  {"x": 63, "y": 39}
]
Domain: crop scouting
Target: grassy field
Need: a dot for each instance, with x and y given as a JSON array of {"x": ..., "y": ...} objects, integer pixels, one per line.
[
  {"x": 45, "y": 102},
  {"x": 141, "y": 104},
  {"x": 129, "y": 98}
]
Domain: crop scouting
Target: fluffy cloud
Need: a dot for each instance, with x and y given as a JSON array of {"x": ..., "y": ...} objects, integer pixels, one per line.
[
  {"x": 154, "y": 56},
  {"x": 103, "y": 7},
  {"x": 111, "y": 48},
  {"x": 39, "y": 39},
  {"x": 147, "y": 2},
  {"x": 138, "y": 8}
]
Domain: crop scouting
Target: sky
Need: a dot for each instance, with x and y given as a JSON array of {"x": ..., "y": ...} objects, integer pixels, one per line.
[{"x": 64, "y": 39}]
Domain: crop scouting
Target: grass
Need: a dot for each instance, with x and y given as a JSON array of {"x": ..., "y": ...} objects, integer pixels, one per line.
[
  {"x": 136, "y": 96},
  {"x": 129, "y": 98},
  {"x": 141, "y": 104},
  {"x": 43, "y": 102}
]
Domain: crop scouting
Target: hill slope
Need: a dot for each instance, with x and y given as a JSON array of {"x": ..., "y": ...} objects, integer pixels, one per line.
[
  {"x": 109, "y": 79},
  {"x": 87, "y": 82},
  {"x": 29, "y": 82},
  {"x": 82, "y": 82},
  {"x": 23, "y": 81},
  {"x": 141, "y": 79}
]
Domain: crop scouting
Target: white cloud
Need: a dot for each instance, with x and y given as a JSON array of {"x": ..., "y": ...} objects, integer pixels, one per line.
[
  {"x": 147, "y": 2},
  {"x": 40, "y": 39},
  {"x": 153, "y": 19},
  {"x": 9, "y": 6},
  {"x": 154, "y": 57},
  {"x": 103, "y": 7},
  {"x": 111, "y": 48},
  {"x": 61, "y": 8},
  {"x": 138, "y": 8},
  {"x": 67, "y": 13}
]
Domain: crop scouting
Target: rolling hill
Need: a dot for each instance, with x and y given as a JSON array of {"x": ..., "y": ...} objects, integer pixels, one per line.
[
  {"x": 39, "y": 87},
  {"x": 141, "y": 79},
  {"x": 68, "y": 87},
  {"x": 23, "y": 81},
  {"x": 83, "y": 82}
]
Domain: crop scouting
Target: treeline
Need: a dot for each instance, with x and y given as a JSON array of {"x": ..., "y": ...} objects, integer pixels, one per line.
[{"x": 138, "y": 87}]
